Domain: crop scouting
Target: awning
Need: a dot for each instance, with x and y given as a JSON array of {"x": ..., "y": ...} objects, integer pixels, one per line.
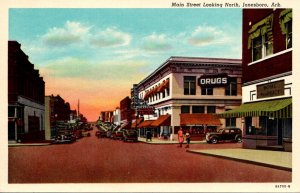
[
  {"x": 163, "y": 120},
  {"x": 163, "y": 86},
  {"x": 198, "y": 119},
  {"x": 280, "y": 108},
  {"x": 137, "y": 122},
  {"x": 146, "y": 124}
]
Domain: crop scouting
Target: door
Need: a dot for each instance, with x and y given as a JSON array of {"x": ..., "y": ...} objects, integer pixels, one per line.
[
  {"x": 280, "y": 129},
  {"x": 11, "y": 130}
]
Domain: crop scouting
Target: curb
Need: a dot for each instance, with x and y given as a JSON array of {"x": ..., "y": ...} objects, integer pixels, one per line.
[{"x": 243, "y": 160}]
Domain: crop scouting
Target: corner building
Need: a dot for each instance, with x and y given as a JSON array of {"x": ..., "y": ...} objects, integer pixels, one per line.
[
  {"x": 188, "y": 92},
  {"x": 26, "y": 91},
  {"x": 267, "y": 79}
]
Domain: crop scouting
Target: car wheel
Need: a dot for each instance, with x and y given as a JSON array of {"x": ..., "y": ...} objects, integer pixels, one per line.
[
  {"x": 239, "y": 139},
  {"x": 214, "y": 140}
]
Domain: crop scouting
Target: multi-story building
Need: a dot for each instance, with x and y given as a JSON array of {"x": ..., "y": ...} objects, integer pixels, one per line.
[
  {"x": 188, "y": 92},
  {"x": 26, "y": 91},
  {"x": 56, "y": 111},
  {"x": 267, "y": 79}
]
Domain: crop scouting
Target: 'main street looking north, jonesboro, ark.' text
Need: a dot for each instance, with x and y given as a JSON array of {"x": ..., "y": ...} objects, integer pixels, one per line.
[{"x": 225, "y": 5}]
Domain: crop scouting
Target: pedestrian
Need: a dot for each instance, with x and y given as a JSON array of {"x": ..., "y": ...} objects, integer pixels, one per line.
[
  {"x": 188, "y": 139},
  {"x": 149, "y": 136},
  {"x": 180, "y": 137}
]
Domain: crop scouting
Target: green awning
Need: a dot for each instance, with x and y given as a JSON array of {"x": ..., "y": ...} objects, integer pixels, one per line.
[
  {"x": 261, "y": 28},
  {"x": 284, "y": 17},
  {"x": 280, "y": 108}
]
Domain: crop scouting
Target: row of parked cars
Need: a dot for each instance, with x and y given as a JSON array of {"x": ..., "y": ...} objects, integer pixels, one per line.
[{"x": 125, "y": 135}]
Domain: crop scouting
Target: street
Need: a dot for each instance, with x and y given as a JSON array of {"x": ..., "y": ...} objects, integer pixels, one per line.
[{"x": 93, "y": 160}]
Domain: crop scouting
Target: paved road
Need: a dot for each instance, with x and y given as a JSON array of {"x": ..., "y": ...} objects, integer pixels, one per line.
[{"x": 92, "y": 160}]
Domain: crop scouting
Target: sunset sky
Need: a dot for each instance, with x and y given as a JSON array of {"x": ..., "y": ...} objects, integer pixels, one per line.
[{"x": 96, "y": 55}]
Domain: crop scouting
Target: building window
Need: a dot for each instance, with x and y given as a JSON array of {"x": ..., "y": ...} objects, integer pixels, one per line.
[
  {"x": 260, "y": 38},
  {"x": 285, "y": 22},
  {"x": 261, "y": 47},
  {"x": 185, "y": 109},
  {"x": 198, "y": 109},
  {"x": 211, "y": 109},
  {"x": 289, "y": 34},
  {"x": 189, "y": 85},
  {"x": 207, "y": 91},
  {"x": 231, "y": 122},
  {"x": 231, "y": 89}
]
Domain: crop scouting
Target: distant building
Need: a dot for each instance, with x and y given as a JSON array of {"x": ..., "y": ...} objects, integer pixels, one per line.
[
  {"x": 56, "y": 111},
  {"x": 26, "y": 91},
  {"x": 267, "y": 79}
]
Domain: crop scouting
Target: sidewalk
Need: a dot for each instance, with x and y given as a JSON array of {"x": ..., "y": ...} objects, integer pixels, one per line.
[
  {"x": 164, "y": 141},
  {"x": 274, "y": 159},
  {"x": 15, "y": 144}
]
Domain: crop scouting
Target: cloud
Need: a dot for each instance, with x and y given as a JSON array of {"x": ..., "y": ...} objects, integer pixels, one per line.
[
  {"x": 110, "y": 37},
  {"x": 156, "y": 43},
  {"x": 207, "y": 35},
  {"x": 72, "y": 32}
]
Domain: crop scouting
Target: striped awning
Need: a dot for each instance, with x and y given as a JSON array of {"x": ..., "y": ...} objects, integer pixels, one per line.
[
  {"x": 163, "y": 120},
  {"x": 137, "y": 122},
  {"x": 280, "y": 108},
  {"x": 145, "y": 124}
]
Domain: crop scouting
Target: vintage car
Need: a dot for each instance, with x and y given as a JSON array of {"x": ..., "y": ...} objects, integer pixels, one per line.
[
  {"x": 226, "y": 134},
  {"x": 130, "y": 135},
  {"x": 65, "y": 136}
]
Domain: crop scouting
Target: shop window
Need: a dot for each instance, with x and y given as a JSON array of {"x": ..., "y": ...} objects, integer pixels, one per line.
[
  {"x": 231, "y": 88},
  {"x": 189, "y": 85},
  {"x": 231, "y": 122},
  {"x": 250, "y": 130},
  {"x": 263, "y": 124},
  {"x": 211, "y": 109},
  {"x": 198, "y": 109},
  {"x": 206, "y": 91},
  {"x": 287, "y": 128},
  {"x": 185, "y": 109},
  {"x": 260, "y": 38}
]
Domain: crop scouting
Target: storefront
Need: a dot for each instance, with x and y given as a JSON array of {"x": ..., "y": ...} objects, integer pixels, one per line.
[{"x": 266, "y": 123}]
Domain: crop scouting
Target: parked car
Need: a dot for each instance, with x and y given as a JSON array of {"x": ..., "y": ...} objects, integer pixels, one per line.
[
  {"x": 100, "y": 134},
  {"x": 65, "y": 136},
  {"x": 130, "y": 135},
  {"x": 77, "y": 134},
  {"x": 226, "y": 134},
  {"x": 118, "y": 135}
]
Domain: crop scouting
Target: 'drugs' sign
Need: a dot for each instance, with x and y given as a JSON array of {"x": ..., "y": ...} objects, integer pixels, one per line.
[{"x": 214, "y": 80}]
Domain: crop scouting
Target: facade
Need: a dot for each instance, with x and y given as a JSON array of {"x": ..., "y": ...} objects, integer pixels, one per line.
[
  {"x": 267, "y": 79},
  {"x": 184, "y": 89},
  {"x": 117, "y": 116},
  {"x": 56, "y": 111},
  {"x": 26, "y": 91}
]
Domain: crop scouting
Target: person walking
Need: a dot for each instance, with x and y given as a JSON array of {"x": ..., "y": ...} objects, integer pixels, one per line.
[
  {"x": 149, "y": 136},
  {"x": 180, "y": 137},
  {"x": 188, "y": 139}
]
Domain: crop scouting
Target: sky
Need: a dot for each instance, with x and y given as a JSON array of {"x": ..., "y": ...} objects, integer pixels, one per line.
[{"x": 96, "y": 55}]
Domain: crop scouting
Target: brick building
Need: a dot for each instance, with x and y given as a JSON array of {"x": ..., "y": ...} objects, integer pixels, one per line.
[{"x": 26, "y": 91}]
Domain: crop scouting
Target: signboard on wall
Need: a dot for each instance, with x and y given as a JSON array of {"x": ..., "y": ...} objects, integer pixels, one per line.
[
  {"x": 213, "y": 80},
  {"x": 271, "y": 89}
]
